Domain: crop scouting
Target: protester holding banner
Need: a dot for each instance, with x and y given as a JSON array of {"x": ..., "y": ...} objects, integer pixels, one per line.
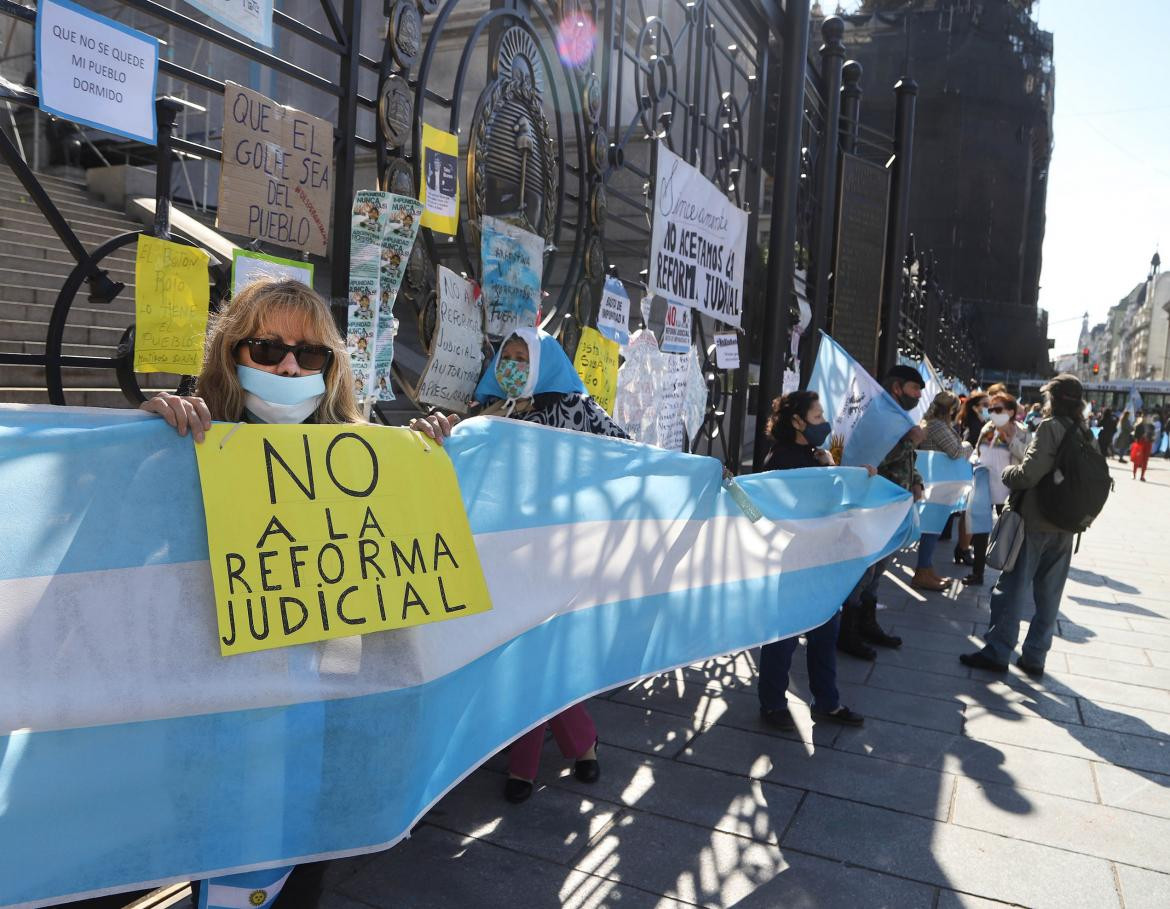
[
  {"x": 904, "y": 385},
  {"x": 941, "y": 435},
  {"x": 798, "y": 429},
  {"x": 532, "y": 379},
  {"x": 1002, "y": 443}
]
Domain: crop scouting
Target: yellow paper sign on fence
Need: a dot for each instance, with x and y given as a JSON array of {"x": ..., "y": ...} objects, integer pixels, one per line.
[
  {"x": 171, "y": 294},
  {"x": 597, "y": 365},
  {"x": 439, "y": 192},
  {"x": 318, "y": 532}
]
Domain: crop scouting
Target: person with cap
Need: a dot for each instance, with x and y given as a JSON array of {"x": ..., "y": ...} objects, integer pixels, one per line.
[
  {"x": 1042, "y": 566},
  {"x": 859, "y": 625}
]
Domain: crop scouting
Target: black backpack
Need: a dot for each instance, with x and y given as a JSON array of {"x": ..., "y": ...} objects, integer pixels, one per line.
[{"x": 1073, "y": 493}]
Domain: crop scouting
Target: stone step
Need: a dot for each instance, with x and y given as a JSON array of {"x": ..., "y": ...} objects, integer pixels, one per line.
[
  {"x": 90, "y": 233},
  {"x": 33, "y": 377},
  {"x": 13, "y": 278},
  {"x": 50, "y": 182},
  {"x": 93, "y": 216},
  {"x": 119, "y": 269},
  {"x": 89, "y": 396},
  {"x": 37, "y": 346},
  {"x": 19, "y": 245},
  {"x": 117, "y": 315},
  {"x": 96, "y": 335}
]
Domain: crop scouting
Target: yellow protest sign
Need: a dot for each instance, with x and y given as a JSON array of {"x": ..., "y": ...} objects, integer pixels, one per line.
[
  {"x": 596, "y": 363},
  {"x": 171, "y": 293},
  {"x": 318, "y": 532},
  {"x": 439, "y": 192}
]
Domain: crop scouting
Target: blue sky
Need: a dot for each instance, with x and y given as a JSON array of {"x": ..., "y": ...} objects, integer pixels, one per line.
[{"x": 1109, "y": 185}]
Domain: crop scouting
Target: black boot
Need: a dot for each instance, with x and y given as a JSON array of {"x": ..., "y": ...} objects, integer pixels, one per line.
[
  {"x": 848, "y": 639},
  {"x": 870, "y": 630}
]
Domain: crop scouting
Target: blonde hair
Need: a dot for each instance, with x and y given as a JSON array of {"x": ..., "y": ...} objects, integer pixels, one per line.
[
  {"x": 940, "y": 408},
  {"x": 242, "y": 318}
]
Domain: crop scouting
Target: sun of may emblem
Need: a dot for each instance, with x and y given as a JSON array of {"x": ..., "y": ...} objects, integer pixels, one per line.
[{"x": 258, "y": 897}]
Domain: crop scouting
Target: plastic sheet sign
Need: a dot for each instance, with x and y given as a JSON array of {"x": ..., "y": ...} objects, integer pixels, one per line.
[
  {"x": 439, "y": 192},
  {"x": 513, "y": 264},
  {"x": 319, "y": 532},
  {"x": 456, "y": 356},
  {"x": 275, "y": 182},
  {"x": 171, "y": 295},
  {"x": 613, "y": 317},
  {"x": 596, "y": 363},
  {"x": 100, "y": 72},
  {"x": 698, "y": 241},
  {"x": 251, "y": 18},
  {"x": 249, "y": 266}
]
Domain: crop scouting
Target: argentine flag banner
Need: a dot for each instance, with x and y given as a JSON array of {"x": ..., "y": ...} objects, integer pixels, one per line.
[
  {"x": 867, "y": 421},
  {"x": 133, "y": 753},
  {"x": 931, "y": 386},
  {"x": 250, "y": 890},
  {"x": 946, "y": 483}
]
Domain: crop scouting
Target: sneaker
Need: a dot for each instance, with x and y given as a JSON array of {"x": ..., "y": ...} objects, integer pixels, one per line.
[
  {"x": 1029, "y": 668},
  {"x": 980, "y": 660},
  {"x": 842, "y": 715},
  {"x": 778, "y": 719}
]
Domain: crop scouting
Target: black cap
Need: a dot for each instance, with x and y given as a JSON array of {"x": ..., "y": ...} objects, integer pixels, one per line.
[{"x": 902, "y": 373}]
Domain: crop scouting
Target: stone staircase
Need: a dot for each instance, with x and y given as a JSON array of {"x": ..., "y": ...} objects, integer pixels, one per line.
[{"x": 33, "y": 267}]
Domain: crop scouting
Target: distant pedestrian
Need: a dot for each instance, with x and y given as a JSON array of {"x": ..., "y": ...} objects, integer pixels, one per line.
[
  {"x": 1108, "y": 430},
  {"x": 1124, "y": 436},
  {"x": 1041, "y": 568},
  {"x": 1143, "y": 444}
]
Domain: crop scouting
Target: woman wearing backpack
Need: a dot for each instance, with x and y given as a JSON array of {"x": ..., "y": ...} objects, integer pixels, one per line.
[{"x": 1041, "y": 567}]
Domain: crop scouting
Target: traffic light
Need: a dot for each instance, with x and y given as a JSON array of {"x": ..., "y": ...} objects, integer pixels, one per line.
[
  {"x": 1085, "y": 355},
  {"x": 1096, "y": 368}
]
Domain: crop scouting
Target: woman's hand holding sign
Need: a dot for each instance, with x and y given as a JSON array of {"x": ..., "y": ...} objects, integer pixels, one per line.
[{"x": 181, "y": 412}]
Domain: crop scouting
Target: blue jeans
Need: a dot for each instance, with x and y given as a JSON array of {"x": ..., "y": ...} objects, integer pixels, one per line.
[
  {"x": 926, "y": 544},
  {"x": 821, "y": 653},
  {"x": 1041, "y": 568}
]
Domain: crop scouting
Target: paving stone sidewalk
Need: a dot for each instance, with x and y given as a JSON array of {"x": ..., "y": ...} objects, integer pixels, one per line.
[{"x": 962, "y": 789}]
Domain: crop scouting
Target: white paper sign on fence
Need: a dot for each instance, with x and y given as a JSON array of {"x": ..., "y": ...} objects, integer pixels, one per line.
[
  {"x": 100, "y": 72},
  {"x": 727, "y": 350},
  {"x": 251, "y": 18},
  {"x": 676, "y": 330},
  {"x": 698, "y": 241},
  {"x": 448, "y": 380},
  {"x": 249, "y": 266}
]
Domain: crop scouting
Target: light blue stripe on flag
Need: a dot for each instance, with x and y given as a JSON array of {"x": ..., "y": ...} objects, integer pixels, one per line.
[
  {"x": 249, "y": 890},
  {"x": 946, "y": 482},
  {"x": 857, "y": 406}
]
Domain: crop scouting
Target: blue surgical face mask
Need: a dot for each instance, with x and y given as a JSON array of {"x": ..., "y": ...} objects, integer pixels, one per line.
[
  {"x": 816, "y": 433},
  {"x": 280, "y": 389}
]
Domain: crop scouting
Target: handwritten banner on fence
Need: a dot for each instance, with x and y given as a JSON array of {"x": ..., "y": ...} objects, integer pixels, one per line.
[
  {"x": 698, "y": 241},
  {"x": 513, "y": 264},
  {"x": 275, "y": 182},
  {"x": 596, "y": 363},
  {"x": 319, "y": 532},
  {"x": 456, "y": 357},
  {"x": 99, "y": 73},
  {"x": 171, "y": 294}
]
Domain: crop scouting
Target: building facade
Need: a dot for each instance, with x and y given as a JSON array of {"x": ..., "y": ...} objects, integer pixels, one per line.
[{"x": 1133, "y": 343}]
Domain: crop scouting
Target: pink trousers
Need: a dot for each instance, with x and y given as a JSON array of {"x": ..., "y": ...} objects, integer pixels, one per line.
[{"x": 573, "y": 730}]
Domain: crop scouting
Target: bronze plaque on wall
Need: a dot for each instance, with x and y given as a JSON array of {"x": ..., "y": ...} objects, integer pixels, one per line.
[{"x": 857, "y": 273}]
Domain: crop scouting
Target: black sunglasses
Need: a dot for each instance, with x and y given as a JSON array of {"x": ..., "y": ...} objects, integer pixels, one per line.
[
  {"x": 997, "y": 409},
  {"x": 270, "y": 353}
]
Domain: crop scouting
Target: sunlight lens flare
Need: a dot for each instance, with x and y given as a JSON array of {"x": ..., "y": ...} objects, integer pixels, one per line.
[{"x": 576, "y": 35}]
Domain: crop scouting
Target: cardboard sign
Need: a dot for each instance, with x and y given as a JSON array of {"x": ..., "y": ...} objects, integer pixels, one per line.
[
  {"x": 676, "y": 331},
  {"x": 727, "y": 350},
  {"x": 698, "y": 241},
  {"x": 439, "y": 192},
  {"x": 596, "y": 363},
  {"x": 513, "y": 265},
  {"x": 249, "y": 266},
  {"x": 383, "y": 227},
  {"x": 456, "y": 356},
  {"x": 319, "y": 532},
  {"x": 613, "y": 317},
  {"x": 275, "y": 182},
  {"x": 251, "y": 18},
  {"x": 100, "y": 72},
  {"x": 171, "y": 296}
]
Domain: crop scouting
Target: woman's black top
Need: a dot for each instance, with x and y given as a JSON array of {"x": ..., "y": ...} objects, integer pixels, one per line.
[
  {"x": 973, "y": 428},
  {"x": 790, "y": 455}
]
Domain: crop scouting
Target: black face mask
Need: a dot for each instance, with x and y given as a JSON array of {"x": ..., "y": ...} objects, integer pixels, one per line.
[{"x": 908, "y": 402}]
